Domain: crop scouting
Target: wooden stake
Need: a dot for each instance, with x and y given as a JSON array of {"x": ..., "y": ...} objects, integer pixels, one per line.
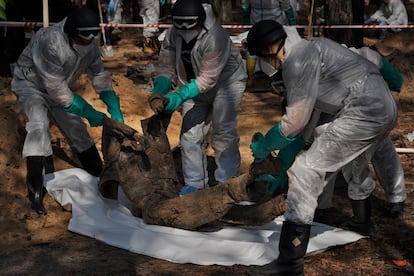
[
  {"x": 45, "y": 13},
  {"x": 405, "y": 150}
]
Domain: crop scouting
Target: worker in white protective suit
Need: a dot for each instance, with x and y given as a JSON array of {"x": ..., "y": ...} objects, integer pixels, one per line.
[
  {"x": 55, "y": 58},
  {"x": 254, "y": 11},
  {"x": 385, "y": 161},
  {"x": 149, "y": 10},
  {"x": 198, "y": 55},
  {"x": 320, "y": 74},
  {"x": 281, "y": 11},
  {"x": 391, "y": 12}
]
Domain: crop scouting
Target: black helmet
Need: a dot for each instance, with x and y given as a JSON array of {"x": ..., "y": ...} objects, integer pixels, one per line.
[
  {"x": 263, "y": 34},
  {"x": 187, "y": 14},
  {"x": 82, "y": 22}
]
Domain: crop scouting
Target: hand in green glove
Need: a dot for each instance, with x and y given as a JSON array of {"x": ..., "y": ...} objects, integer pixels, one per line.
[
  {"x": 287, "y": 155},
  {"x": 246, "y": 15},
  {"x": 393, "y": 78},
  {"x": 185, "y": 92},
  {"x": 81, "y": 108},
  {"x": 259, "y": 151},
  {"x": 270, "y": 165},
  {"x": 274, "y": 139},
  {"x": 157, "y": 102},
  {"x": 272, "y": 182},
  {"x": 162, "y": 2},
  {"x": 290, "y": 14},
  {"x": 162, "y": 85},
  {"x": 112, "y": 102}
]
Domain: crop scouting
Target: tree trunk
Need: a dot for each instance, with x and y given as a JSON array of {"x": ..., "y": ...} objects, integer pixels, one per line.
[
  {"x": 345, "y": 12},
  {"x": 224, "y": 10}
]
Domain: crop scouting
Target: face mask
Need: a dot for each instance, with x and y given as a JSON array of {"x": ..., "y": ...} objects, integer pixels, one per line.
[
  {"x": 188, "y": 35},
  {"x": 267, "y": 68}
]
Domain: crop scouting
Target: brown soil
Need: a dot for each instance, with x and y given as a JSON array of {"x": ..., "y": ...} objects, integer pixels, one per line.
[{"x": 32, "y": 244}]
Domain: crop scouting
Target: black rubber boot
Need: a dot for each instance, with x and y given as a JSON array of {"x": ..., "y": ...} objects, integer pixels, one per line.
[
  {"x": 361, "y": 220},
  {"x": 395, "y": 210},
  {"x": 91, "y": 161},
  {"x": 152, "y": 45},
  {"x": 34, "y": 181},
  {"x": 293, "y": 243},
  {"x": 49, "y": 164}
]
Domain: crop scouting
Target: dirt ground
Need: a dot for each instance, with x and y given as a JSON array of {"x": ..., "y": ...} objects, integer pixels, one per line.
[{"x": 32, "y": 244}]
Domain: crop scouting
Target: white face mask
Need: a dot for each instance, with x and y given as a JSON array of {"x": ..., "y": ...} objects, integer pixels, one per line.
[
  {"x": 188, "y": 35},
  {"x": 267, "y": 68}
]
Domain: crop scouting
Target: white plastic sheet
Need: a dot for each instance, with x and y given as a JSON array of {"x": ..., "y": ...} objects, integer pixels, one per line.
[{"x": 112, "y": 222}]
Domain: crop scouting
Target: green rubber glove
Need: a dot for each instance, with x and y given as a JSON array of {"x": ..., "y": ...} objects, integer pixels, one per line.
[
  {"x": 162, "y": 85},
  {"x": 290, "y": 14},
  {"x": 246, "y": 15},
  {"x": 162, "y": 2},
  {"x": 288, "y": 154},
  {"x": 185, "y": 92},
  {"x": 393, "y": 78},
  {"x": 286, "y": 157},
  {"x": 81, "y": 108},
  {"x": 112, "y": 102},
  {"x": 273, "y": 182},
  {"x": 273, "y": 140}
]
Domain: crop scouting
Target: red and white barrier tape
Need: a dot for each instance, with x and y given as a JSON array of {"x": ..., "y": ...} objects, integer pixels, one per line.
[{"x": 165, "y": 26}]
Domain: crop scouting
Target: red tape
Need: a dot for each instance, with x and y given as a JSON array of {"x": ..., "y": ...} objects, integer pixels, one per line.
[{"x": 165, "y": 26}]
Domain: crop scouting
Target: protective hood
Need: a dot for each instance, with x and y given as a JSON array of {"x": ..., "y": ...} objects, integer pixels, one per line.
[
  {"x": 293, "y": 38},
  {"x": 210, "y": 18}
]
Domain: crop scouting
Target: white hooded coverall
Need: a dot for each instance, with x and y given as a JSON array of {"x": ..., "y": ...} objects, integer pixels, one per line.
[
  {"x": 393, "y": 13},
  {"x": 149, "y": 10},
  {"x": 386, "y": 162},
  {"x": 221, "y": 77},
  {"x": 321, "y": 74},
  {"x": 268, "y": 9},
  {"x": 42, "y": 78}
]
